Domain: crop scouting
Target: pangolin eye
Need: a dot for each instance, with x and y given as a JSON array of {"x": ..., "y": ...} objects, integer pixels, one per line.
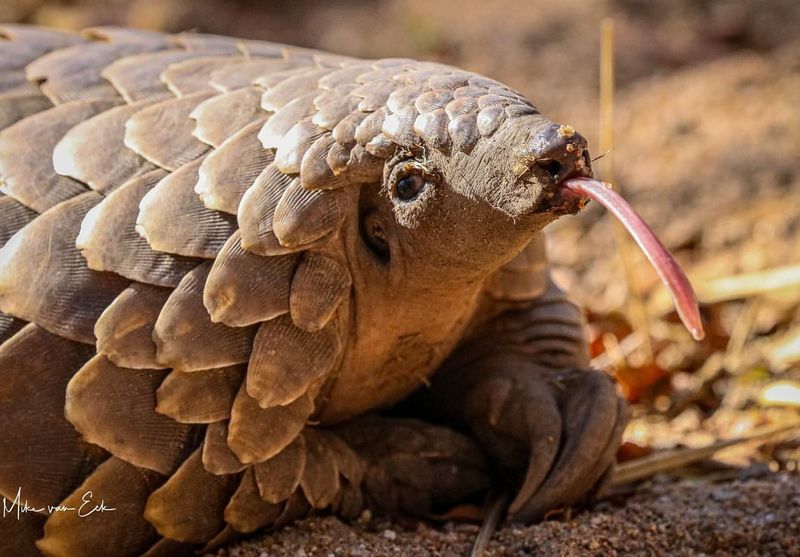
[{"x": 409, "y": 186}]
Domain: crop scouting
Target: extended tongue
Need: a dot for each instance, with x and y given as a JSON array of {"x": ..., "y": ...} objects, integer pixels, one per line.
[{"x": 665, "y": 265}]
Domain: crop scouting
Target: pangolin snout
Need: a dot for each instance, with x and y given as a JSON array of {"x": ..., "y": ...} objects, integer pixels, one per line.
[
  {"x": 560, "y": 152},
  {"x": 555, "y": 154}
]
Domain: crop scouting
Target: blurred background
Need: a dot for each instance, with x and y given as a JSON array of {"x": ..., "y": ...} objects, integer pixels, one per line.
[{"x": 707, "y": 137}]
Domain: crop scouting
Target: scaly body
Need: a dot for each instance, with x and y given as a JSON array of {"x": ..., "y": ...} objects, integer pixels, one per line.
[{"x": 222, "y": 259}]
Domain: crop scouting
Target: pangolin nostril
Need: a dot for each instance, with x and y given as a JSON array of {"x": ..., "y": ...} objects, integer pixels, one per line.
[
  {"x": 557, "y": 152},
  {"x": 553, "y": 168}
]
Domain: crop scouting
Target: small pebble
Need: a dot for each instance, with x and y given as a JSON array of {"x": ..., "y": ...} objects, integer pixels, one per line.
[{"x": 390, "y": 534}]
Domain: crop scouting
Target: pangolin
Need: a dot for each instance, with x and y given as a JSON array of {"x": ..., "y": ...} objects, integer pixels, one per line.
[{"x": 242, "y": 282}]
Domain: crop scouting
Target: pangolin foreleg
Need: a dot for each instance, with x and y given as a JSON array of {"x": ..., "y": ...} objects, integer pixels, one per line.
[{"x": 521, "y": 384}]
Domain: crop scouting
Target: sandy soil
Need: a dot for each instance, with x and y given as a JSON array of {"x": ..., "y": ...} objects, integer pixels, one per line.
[{"x": 758, "y": 516}]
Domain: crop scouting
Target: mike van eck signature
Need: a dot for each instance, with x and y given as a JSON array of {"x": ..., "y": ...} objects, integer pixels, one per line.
[{"x": 88, "y": 507}]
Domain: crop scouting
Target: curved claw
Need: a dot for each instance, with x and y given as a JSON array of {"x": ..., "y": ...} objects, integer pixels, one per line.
[
  {"x": 593, "y": 419},
  {"x": 545, "y": 427},
  {"x": 517, "y": 419}
]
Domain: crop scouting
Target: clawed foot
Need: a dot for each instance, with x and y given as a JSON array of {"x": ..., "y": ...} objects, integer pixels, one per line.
[
  {"x": 416, "y": 467},
  {"x": 555, "y": 431}
]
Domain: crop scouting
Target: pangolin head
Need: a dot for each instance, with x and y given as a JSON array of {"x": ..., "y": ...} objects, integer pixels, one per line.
[
  {"x": 456, "y": 175},
  {"x": 469, "y": 211},
  {"x": 457, "y": 172}
]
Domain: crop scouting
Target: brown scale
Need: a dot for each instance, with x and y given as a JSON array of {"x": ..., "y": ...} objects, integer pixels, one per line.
[
  {"x": 237, "y": 109},
  {"x": 218, "y": 458},
  {"x": 173, "y": 219},
  {"x": 244, "y": 288},
  {"x": 204, "y": 397},
  {"x": 108, "y": 239}
]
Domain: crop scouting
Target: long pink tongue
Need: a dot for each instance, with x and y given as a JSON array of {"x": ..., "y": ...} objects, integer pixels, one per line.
[{"x": 665, "y": 265}]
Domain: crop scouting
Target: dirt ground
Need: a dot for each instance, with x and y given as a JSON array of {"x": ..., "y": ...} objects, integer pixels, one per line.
[
  {"x": 758, "y": 516},
  {"x": 707, "y": 135}
]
